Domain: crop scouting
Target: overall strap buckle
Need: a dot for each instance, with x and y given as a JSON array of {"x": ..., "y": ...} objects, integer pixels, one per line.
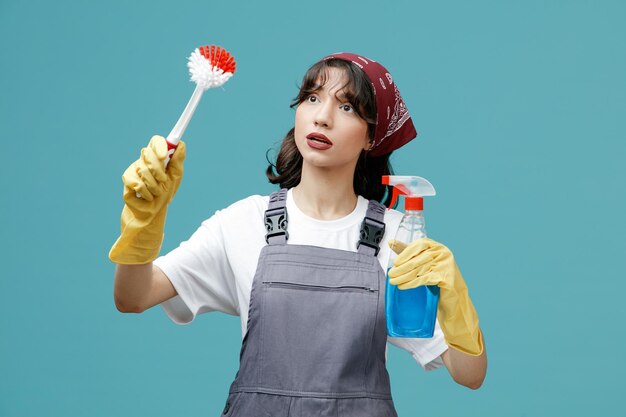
[
  {"x": 276, "y": 218},
  {"x": 372, "y": 232},
  {"x": 276, "y": 224}
]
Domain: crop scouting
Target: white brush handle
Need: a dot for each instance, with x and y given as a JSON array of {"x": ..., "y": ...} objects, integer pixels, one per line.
[
  {"x": 177, "y": 132},
  {"x": 179, "y": 129}
]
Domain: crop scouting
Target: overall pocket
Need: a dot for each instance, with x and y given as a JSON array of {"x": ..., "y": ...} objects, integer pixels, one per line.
[{"x": 317, "y": 326}]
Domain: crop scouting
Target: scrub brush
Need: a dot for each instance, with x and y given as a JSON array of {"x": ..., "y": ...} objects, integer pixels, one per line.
[{"x": 210, "y": 66}]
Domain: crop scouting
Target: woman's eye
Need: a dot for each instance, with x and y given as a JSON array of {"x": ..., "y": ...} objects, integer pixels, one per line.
[
  {"x": 347, "y": 107},
  {"x": 311, "y": 99}
]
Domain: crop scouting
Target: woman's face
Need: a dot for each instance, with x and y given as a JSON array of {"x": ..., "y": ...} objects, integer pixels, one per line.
[{"x": 328, "y": 132}]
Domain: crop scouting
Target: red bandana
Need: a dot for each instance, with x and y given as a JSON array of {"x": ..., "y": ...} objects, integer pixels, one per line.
[{"x": 394, "y": 126}]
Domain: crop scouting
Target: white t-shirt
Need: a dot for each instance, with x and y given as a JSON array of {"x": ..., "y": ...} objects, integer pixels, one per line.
[{"x": 214, "y": 269}]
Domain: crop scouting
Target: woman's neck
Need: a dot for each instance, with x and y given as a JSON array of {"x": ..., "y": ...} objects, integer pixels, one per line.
[{"x": 325, "y": 194}]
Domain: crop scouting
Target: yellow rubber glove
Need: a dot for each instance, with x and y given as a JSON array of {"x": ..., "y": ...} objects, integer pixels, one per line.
[
  {"x": 426, "y": 262},
  {"x": 143, "y": 218}
]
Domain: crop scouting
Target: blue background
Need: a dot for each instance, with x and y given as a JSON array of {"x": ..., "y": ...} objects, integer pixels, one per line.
[{"x": 520, "y": 108}]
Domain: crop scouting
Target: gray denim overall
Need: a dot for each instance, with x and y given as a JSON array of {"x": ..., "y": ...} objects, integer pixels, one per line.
[{"x": 316, "y": 338}]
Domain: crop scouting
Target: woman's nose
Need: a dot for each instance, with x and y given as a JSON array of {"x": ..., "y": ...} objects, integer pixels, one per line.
[{"x": 324, "y": 117}]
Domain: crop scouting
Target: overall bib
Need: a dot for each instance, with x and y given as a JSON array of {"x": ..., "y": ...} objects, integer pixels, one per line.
[{"x": 316, "y": 335}]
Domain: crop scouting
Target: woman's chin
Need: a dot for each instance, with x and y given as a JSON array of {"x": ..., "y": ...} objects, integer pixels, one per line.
[
  {"x": 315, "y": 161},
  {"x": 326, "y": 163}
]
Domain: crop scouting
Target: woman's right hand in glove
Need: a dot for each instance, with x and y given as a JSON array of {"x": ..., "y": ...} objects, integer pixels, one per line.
[{"x": 143, "y": 218}]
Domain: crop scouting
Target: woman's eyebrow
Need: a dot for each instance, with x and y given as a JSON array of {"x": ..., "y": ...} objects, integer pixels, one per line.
[{"x": 341, "y": 95}]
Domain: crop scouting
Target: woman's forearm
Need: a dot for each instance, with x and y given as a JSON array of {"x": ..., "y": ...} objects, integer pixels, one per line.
[
  {"x": 466, "y": 369},
  {"x": 132, "y": 284}
]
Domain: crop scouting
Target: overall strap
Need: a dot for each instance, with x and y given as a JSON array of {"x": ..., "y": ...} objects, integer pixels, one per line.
[
  {"x": 372, "y": 229},
  {"x": 276, "y": 219}
]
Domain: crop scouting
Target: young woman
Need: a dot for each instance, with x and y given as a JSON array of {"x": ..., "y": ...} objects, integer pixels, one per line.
[{"x": 304, "y": 267}]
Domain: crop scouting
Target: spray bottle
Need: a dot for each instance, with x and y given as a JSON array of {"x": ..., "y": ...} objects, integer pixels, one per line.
[{"x": 412, "y": 312}]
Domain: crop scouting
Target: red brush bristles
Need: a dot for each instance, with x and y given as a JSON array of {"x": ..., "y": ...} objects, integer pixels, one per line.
[{"x": 219, "y": 57}]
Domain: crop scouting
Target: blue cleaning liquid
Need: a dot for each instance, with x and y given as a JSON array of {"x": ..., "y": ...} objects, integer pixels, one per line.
[{"x": 411, "y": 313}]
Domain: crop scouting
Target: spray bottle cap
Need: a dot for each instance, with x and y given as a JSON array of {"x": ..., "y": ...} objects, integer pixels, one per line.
[{"x": 412, "y": 187}]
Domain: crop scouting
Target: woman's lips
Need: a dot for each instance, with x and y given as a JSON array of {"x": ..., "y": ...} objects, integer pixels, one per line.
[{"x": 318, "y": 141}]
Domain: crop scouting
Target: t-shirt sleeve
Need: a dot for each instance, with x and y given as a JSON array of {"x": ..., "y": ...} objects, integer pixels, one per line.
[
  {"x": 427, "y": 352},
  {"x": 201, "y": 274}
]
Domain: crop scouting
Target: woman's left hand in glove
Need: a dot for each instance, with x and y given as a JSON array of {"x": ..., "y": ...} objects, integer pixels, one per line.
[{"x": 426, "y": 262}]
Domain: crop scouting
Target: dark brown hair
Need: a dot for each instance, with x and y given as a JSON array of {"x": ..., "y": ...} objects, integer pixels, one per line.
[{"x": 360, "y": 94}]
